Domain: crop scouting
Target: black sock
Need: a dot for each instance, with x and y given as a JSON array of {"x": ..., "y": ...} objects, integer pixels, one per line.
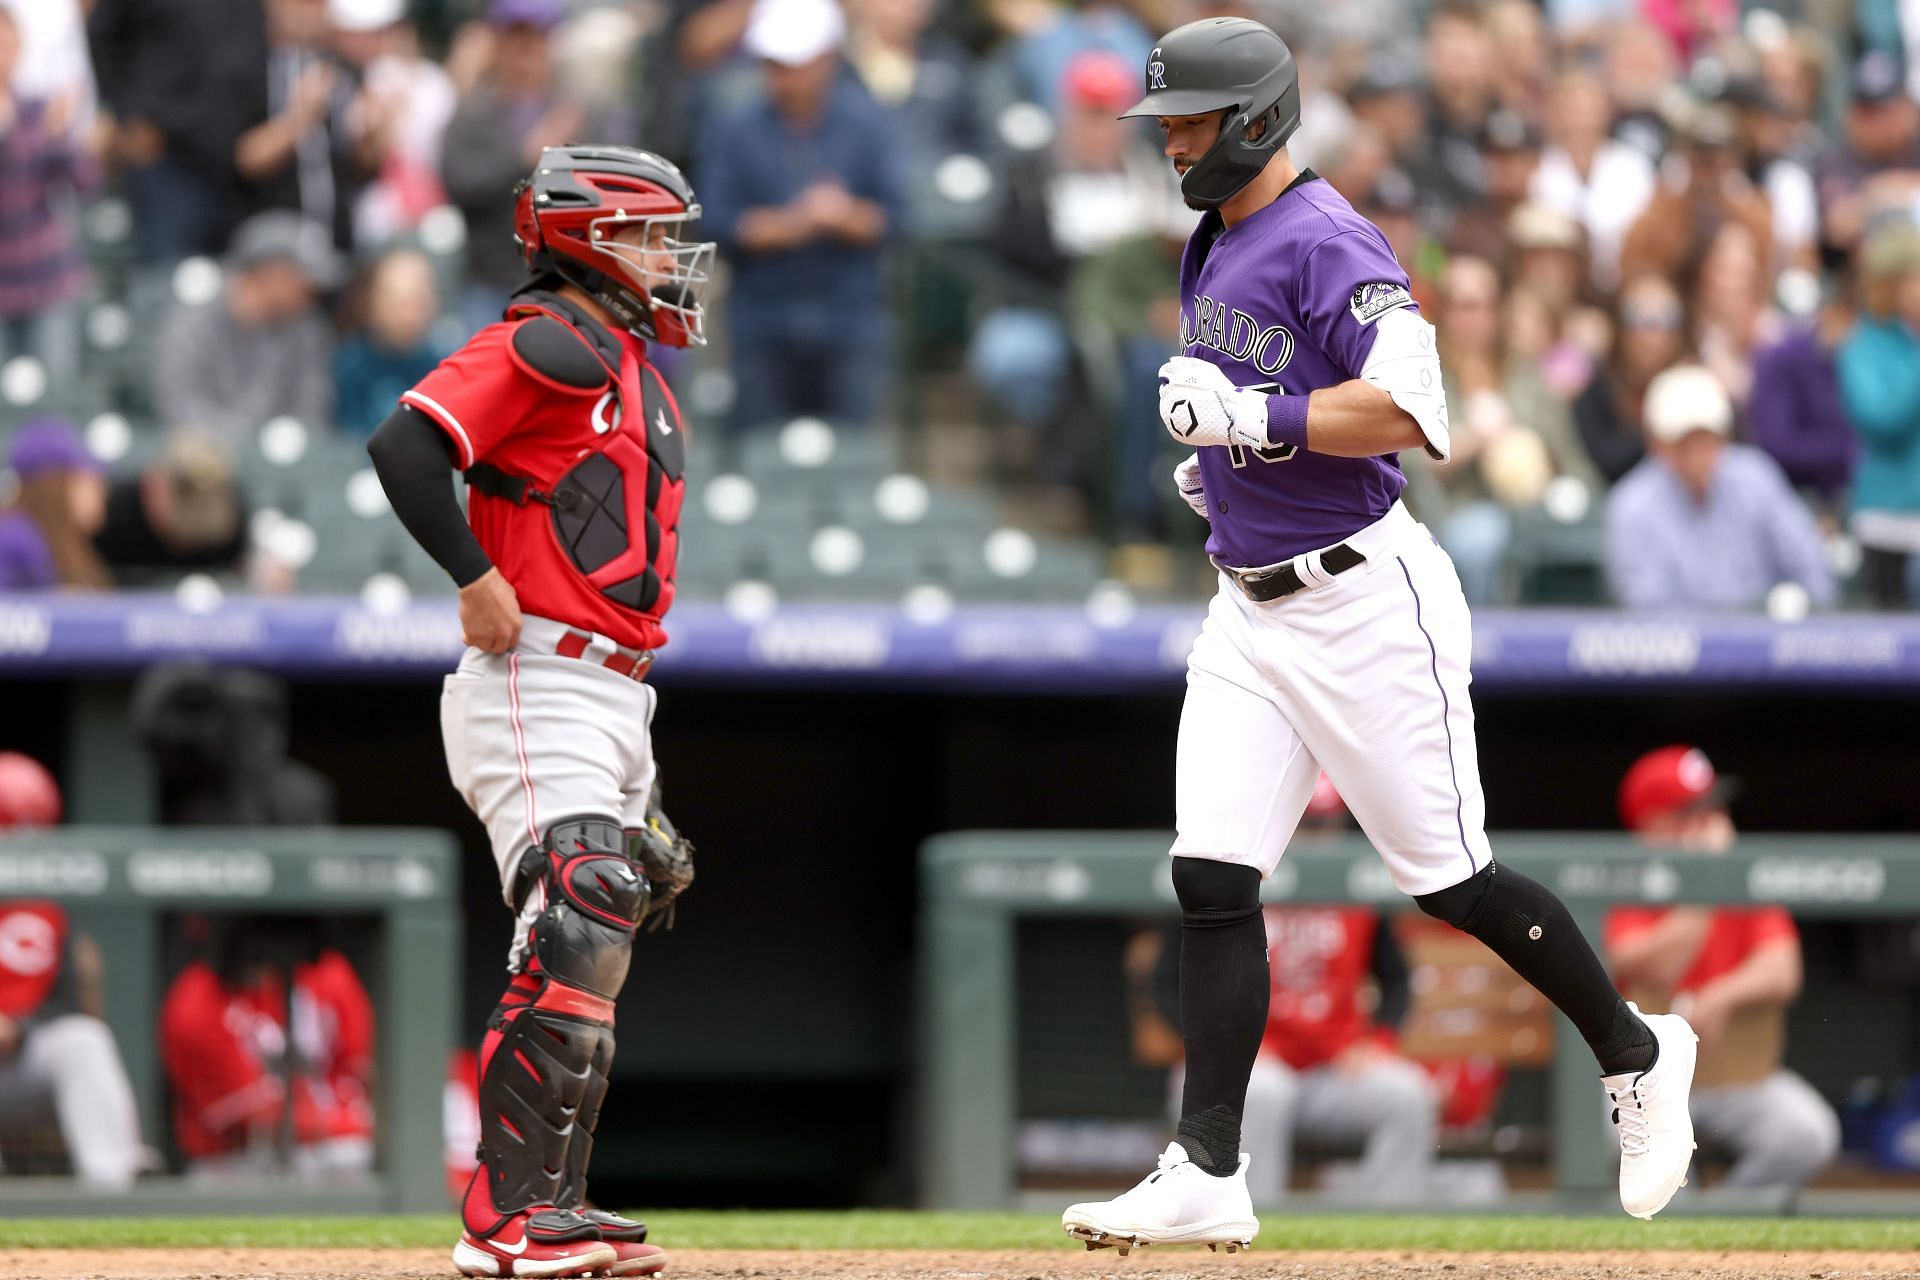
[
  {"x": 1523, "y": 923},
  {"x": 1223, "y": 1004}
]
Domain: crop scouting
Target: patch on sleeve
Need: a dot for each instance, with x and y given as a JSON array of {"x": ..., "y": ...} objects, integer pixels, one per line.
[{"x": 1371, "y": 301}]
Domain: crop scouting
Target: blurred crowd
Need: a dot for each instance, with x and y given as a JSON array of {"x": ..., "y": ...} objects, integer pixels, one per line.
[{"x": 1671, "y": 250}]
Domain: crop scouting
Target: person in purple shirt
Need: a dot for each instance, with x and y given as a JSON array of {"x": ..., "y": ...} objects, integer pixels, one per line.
[
  {"x": 46, "y": 532},
  {"x": 1703, "y": 523},
  {"x": 1339, "y": 639},
  {"x": 1796, "y": 412}
]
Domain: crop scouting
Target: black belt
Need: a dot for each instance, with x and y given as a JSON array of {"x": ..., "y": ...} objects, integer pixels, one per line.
[{"x": 1262, "y": 585}]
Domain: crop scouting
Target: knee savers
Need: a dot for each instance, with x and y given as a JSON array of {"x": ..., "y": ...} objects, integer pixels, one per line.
[
  {"x": 594, "y": 896},
  {"x": 1215, "y": 893}
]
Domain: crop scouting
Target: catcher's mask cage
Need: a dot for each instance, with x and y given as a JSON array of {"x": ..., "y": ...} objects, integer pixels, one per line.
[{"x": 568, "y": 220}]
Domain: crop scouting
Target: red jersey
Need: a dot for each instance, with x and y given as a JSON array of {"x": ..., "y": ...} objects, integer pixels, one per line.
[
  {"x": 1320, "y": 959},
  {"x": 33, "y": 948},
  {"x": 1731, "y": 937},
  {"x": 225, "y": 1049},
  {"x": 500, "y": 407}
]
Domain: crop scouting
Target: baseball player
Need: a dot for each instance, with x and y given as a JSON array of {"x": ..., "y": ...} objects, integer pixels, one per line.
[
  {"x": 54, "y": 1045},
  {"x": 572, "y": 447},
  {"x": 1338, "y": 640}
]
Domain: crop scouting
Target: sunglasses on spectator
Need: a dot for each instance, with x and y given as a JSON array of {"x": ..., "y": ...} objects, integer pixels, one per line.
[{"x": 1666, "y": 319}]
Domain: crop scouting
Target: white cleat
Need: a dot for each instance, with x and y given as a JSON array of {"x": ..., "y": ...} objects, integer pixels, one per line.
[
  {"x": 1178, "y": 1203},
  {"x": 1656, "y": 1122}
]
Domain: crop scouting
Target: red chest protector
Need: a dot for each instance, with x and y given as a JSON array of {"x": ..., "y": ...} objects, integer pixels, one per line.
[
  {"x": 616, "y": 511},
  {"x": 33, "y": 943}
]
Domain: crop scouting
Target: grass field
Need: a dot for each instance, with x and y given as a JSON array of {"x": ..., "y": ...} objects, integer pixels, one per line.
[{"x": 903, "y": 1230}]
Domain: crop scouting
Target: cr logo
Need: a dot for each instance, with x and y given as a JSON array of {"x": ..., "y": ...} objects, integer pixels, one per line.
[{"x": 1156, "y": 72}]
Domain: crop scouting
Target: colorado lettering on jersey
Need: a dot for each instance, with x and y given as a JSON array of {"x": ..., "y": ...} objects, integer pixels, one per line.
[{"x": 1234, "y": 333}]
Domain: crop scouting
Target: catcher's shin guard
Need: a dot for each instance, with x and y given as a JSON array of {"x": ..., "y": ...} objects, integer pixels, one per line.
[{"x": 543, "y": 1065}]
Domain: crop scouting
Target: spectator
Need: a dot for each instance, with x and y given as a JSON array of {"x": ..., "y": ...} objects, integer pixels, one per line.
[
  {"x": 497, "y": 132},
  {"x": 1701, "y": 190},
  {"x": 1097, "y": 186},
  {"x": 1877, "y": 171},
  {"x": 1511, "y": 435},
  {"x": 1044, "y": 36},
  {"x": 1732, "y": 974},
  {"x": 407, "y": 100},
  {"x": 1766, "y": 138},
  {"x": 801, "y": 188},
  {"x": 44, "y": 534},
  {"x": 259, "y": 1025},
  {"x": 54, "y": 1047},
  {"x": 1704, "y": 523},
  {"x": 390, "y": 346},
  {"x": 1640, "y": 69},
  {"x": 1546, "y": 255},
  {"x": 1879, "y": 367},
  {"x": 182, "y": 80},
  {"x": 1797, "y": 414},
  {"x": 1733, "y": 316},
  {"x": 181, "y": 513},
  {"x": 54, "y": 59},
  {"x": 43, "y": 166},
  {"x": 260, "y": 349},
  {"x": 1583, "y": 173},
  {"x": 312, "y": 138},
  {"x": 1509, "y": 155},
  {"x": 1461, "y": 91},
  {"x": 1649, "y": 334},
  {"x": 918, "y": 73}
]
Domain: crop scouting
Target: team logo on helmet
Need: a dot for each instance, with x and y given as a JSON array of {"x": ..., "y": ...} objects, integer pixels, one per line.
[{"x": 1156, "y": 71}]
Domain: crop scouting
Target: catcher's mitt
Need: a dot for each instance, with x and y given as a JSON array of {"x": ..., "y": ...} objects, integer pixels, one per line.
[{"x": 665, "y": 857}]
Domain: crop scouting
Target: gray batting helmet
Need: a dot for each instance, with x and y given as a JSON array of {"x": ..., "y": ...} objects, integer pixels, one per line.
[{"x": 1225, "y": 64}]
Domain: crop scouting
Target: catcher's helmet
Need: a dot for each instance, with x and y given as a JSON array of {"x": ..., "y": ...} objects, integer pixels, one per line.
[
  {"x": 1225, "y": 64},
  {"x": 578, "y": 198},
  {"x": 29, "y": 797}
]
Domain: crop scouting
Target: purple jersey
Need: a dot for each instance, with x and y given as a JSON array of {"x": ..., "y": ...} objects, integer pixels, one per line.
[{"x": 1289, "y": 296}]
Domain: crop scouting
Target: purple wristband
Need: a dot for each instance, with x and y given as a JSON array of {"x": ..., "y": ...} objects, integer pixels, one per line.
[{"x": 1287, "y": 420}]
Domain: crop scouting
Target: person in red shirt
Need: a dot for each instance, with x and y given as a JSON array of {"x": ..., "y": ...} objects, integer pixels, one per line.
[
  {"x": 235, "y": 1048},
  {"x": 55, "y": 1047},
  {"x": 573, "y": 450},
  {"x": 1732, "y": 974}
]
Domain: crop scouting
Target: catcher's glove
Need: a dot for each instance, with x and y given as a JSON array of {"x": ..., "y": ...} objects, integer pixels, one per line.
[{"x": 665, "y": 857}]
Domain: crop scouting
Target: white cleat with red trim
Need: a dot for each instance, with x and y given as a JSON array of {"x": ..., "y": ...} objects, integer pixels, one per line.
[{"x": 544, "y": 1242}]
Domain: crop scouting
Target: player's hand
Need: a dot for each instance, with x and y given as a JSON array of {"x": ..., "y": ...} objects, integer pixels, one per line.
[
  {"x": 1199, "y": 405},
  {"x": 490, "y": 613},
  {"x": 1186, "y": 478}
]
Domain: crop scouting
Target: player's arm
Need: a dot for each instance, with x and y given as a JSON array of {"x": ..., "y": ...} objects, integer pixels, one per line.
[
  {"x": 1359, "y": 420},
  {"x": 413, "y": 457},
  {"x": 1770, "y": 975}
]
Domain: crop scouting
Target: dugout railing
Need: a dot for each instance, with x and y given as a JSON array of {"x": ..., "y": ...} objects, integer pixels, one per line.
[
  {"x": 119, "y": 884},
  {"x": 977, "y": 886}
]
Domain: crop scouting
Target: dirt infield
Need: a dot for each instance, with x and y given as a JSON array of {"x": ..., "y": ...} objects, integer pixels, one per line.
[{"x": 1172, "y": 1264}]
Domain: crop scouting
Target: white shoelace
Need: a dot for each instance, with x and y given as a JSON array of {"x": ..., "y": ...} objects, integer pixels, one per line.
[
  {"x": 1168, "y": 1163},
  {"x": 1631, "y": 1115}
]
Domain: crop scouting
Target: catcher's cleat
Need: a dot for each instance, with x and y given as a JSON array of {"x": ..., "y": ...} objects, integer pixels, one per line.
[
  {"x": 545, "y": 1242},
  {"x": 1178, "y": 1203},
  {"x": 634, "y": 1258}
]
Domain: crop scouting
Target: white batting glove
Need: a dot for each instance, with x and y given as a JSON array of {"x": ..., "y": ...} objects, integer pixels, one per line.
[
  {"x": 1186, "y": 478},
  {"x": 1199, "y": 405}
]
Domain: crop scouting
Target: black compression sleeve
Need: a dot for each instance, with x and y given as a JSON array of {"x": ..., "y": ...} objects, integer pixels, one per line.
[{"x": 412, "y": 458}]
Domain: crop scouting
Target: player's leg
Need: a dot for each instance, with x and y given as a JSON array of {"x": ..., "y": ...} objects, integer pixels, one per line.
[
  {"x": 628, "y": 1237},
  {"x": 1377, "y": 674},
  {"x": 1242, "y": 780},
  {"x": 1780, "y": 1131},
  {"x": 1394, "y": 1107},
  {"x": 77, "y": 1058},
  {"x": 531, "y": 744}
]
